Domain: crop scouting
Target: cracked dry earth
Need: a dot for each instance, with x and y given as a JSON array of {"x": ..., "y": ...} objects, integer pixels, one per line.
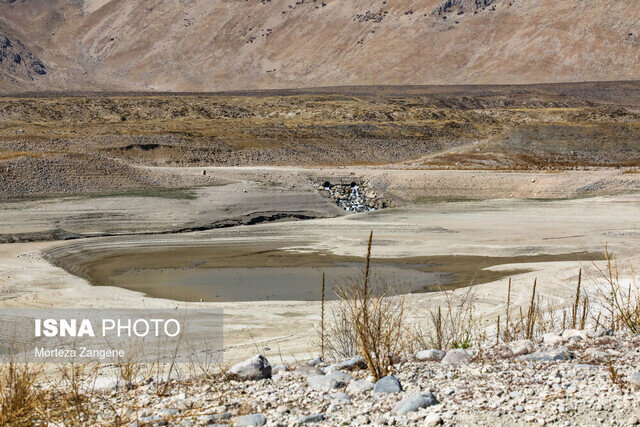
[{"x": 559, "y": 379}]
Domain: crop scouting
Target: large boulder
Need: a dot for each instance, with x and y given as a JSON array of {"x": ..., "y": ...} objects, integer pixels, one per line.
[
  {"x": 256, "y": 368},
  {"x": 413, "y": 402},
  {"x": 430, "y": 355},
  {"x": 457, "y": 356},
  {"x": 329, "y": 382},
  {"x": 388, "y": 384}
]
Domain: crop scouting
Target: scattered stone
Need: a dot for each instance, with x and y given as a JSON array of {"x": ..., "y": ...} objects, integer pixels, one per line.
[
  {"x": 316, "y": 418},
  {"x": 413, "y": 402},
  {"x": 495, "y": 388},
  {"x": 519, "y": 348},
  {"x": 635, "y": 379},
  {"x": 388, "y": 384},
  {"x": 349, "y": 365},
  {"x": 329, "y": 382},
  {"x": 214, "y": 418},
  {"x": 551, "y": 355},
  {"x": 552, "y": 338},
  {"x": 359, "y": 386},
  {"x": 256, "y": 368},
  {"x": 430, "y": 355},
  {"x": 352, "y": 196},
  {"x": 340, "y": 398},
  {"x": 596, "y": 353},
  {"x": 315, "y": 361},
  {"x": 308, "y": 371},
  {"x": 573, "y": 333},
  {"x": 432, "y": 420},
  {"x": 278, "y": 369},
  {"x": 251, "y": 420},
  {"x": 456, "y": 356}
]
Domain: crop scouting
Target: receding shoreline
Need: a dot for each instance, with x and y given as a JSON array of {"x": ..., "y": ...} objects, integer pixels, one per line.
[{"x": 231, "y": 272}]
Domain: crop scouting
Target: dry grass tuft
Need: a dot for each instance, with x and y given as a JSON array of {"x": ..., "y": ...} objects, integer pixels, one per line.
[
  {"x": 621, "y": 298},
  {"x": 20, "y": 399}
]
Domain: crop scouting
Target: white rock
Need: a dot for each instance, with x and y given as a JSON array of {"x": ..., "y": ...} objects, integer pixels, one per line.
[
  {"x": 634, "y": 379},
  {"x": 105, "y": 382},
  {"x": 340, "y": 398},
  {"x": 329, "y": 382},
  {"x": 458, "y": 356},
  {"x": 413, "y": 402},
  {"x": 432, "y": 420},
  {"x": 251, "y": 420},
  {"x": 255, "y": 368},
  {"x": 278, "y": 369},
  {"x": 307, "y": 371},
  {"x": 359, "y": 386},
  {"x": 349, "y": 365},
  {"x": 315, "y": 361},
  {"x": 430, "y": 355},
  {"x": 519, "y": 348},
  {"x": 552, "y": 338},
  {"x": 551, "y": 355}
]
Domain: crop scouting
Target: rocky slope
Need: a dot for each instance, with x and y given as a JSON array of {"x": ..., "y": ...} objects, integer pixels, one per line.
[
  {"x": 17, "y": 64},
  {"x": 199, "y": 45}
]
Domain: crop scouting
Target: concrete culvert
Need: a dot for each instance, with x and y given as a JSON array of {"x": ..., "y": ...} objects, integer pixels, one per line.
[{"x": 326, "y": 184}]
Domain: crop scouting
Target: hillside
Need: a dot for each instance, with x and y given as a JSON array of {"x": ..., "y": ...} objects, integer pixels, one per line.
[{"x": 200, "y": 45}]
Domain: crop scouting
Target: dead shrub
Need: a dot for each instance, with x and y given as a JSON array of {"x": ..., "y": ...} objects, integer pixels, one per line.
[
  {"x": 340, "y": 336},
  {"x": 377, "y": 314}
]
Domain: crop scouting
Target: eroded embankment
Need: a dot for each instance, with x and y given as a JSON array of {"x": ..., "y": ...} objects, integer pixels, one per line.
[{"x": 249, "y": 219}]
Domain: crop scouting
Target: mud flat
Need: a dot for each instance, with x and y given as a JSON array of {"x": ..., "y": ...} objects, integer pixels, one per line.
[{"x": 457, "y": 240}]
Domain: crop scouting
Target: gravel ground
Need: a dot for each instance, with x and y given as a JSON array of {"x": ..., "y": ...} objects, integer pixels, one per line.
[{"x": 500, "y": 384}]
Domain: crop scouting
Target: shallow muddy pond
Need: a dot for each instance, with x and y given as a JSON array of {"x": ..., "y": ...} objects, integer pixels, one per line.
[{"x": 249, "y": 272}]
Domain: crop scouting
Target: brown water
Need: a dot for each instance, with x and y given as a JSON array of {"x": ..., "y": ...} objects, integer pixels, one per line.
[{"x": 248, "y": 272}]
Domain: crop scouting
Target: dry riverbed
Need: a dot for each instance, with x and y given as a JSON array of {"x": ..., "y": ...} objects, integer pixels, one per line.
[{"x": 549, "y": 233}]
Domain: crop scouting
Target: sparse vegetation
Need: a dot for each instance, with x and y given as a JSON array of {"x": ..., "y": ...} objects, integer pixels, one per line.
[
  {"x": 378, "y": 318},
  {"x": 620, "y": 297}
]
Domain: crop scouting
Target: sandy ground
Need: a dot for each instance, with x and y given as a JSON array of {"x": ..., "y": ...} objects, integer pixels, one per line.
[{"x": 498, "y": 225}]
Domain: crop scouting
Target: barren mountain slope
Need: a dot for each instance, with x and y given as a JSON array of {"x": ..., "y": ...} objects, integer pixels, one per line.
[{"x": 227, "y": 44}]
